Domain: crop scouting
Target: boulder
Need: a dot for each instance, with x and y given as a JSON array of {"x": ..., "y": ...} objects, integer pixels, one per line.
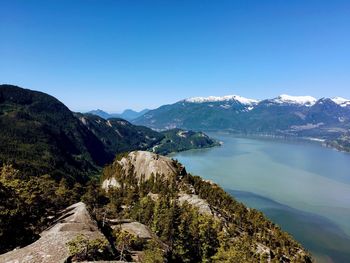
[{"x": 196, "y": 201}]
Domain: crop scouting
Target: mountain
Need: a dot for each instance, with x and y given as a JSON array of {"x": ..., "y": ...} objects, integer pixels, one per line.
[
  {"x": 126, "y": 114},
  {"x": 119, "y": 135},
  {"x": 40, "y": 135},
  {"x": 284, "y": 115}
]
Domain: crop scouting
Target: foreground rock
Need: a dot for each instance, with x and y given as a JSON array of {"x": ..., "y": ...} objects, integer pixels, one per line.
[{"x": 51, "y": 247}]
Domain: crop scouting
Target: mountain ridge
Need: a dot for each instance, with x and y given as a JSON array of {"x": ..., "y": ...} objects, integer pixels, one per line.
[
  {"x": 287, "y": 116},
  {"x": 283, "y": 98}
]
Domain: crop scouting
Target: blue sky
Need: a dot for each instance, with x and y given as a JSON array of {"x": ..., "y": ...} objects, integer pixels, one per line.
[{"x": 136, "y": 54}]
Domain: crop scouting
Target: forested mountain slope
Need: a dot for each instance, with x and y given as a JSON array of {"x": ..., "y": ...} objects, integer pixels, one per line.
[
  {"x": 40, "y": 135},
  {"x": 196, "y": 219}
]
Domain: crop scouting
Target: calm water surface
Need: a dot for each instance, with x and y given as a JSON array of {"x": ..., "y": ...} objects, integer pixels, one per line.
[{"x": 303, "y": 187}]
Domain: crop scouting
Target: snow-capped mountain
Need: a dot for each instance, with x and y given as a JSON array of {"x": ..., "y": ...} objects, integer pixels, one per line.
[
  {"x": 242, "y": 100},
  {"x": 341, "y": 101},
  {"x": 300, "y": 100},
  {"x": 281, "y": 99},
  {"x": 282, "y": 114}
]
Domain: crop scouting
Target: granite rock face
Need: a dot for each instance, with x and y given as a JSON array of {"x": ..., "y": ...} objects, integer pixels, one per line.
[
  {"x": 146, "y": 163},
  {"x": 196, "y": 201},
  {"x": 142, "y": 165},
  {"x": 51, "y": 246}
]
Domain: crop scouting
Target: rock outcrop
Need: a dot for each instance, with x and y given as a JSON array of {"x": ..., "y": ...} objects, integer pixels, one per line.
[
  {"x": 196, "y": 201},
  {"x": 51, "y": 246},
  {"x": 142, "y": 165},
  {"x": 137, "y": 229},
  {"x": 146, "y": 163}
]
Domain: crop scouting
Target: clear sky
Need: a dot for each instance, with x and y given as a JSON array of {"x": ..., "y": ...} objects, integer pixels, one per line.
[{"x": 136, "y": 54}]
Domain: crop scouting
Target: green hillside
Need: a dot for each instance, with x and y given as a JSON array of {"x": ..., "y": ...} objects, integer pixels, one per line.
[
  {"x": 39, "y": 135},
  {"x": 177, "y": 140}
]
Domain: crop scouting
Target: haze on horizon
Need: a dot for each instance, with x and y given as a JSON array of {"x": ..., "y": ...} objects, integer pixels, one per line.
[{"x": 115, "y": 55}]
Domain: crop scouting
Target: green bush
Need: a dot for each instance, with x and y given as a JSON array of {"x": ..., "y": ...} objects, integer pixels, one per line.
[{"x": 81, "y": 248}]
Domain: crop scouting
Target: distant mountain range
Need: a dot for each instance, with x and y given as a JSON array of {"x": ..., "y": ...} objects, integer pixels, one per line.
[
  {"x": 126, "y": 114},
  {"x": 285, "y": 115}
]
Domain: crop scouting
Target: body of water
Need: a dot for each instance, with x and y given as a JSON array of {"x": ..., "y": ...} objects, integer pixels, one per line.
[{"x": 303, "y": 187}]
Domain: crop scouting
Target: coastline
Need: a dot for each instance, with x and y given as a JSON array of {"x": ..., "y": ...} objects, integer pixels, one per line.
[{"x": 327, "y": 143}]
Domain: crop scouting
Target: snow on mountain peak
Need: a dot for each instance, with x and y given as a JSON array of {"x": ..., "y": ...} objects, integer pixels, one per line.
[
  {"x": 302, "y": 100},
  {"x": 341, "y": 101},
  {"x": 281, "y": 99},
  {"x": 242, "y": 100}
]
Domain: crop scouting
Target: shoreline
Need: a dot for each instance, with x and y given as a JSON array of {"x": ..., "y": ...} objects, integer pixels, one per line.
[{"x": 314, "y": 140}]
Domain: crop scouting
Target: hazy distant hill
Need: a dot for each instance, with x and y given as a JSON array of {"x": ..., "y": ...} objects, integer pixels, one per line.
[{"x": 126, "y": 114}]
